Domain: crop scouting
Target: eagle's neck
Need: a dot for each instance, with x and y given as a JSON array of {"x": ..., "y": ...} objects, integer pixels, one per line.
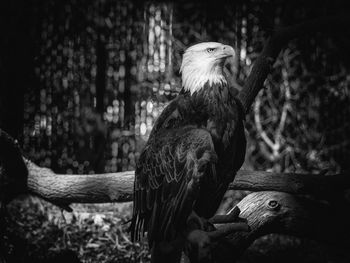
[
  {"x": 214, "y": 100},
  {"x": 195, "y": 78}
]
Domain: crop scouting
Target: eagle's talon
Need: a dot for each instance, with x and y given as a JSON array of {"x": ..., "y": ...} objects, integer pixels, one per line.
[
  {"x": 196, "y": 222},
  {"x": 231, "y": 217}
]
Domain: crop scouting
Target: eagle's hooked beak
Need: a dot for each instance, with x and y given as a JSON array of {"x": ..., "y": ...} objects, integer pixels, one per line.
[{"x": 227, "y": 51}]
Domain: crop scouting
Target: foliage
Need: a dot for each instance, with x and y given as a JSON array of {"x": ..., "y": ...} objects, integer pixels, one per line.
[{"x": 39, "y": 231}]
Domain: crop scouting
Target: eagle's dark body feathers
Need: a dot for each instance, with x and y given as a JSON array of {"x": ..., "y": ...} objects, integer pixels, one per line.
[{"x": 196, "y": 133}]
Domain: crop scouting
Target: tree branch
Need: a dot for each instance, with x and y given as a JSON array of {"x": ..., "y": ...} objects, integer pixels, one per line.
[
  {"x": 118, "y": 187},
  {"x": 80, "y": 188},
  {"x": 262, "y": 65},
  {"x": 276, "y": 212},
  {"x": 294, "y": 183}
]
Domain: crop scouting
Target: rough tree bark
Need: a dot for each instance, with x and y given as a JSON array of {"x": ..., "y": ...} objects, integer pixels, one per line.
[
  {"x": 118, "y": 187},
  {"x": 278, "y": 212}
]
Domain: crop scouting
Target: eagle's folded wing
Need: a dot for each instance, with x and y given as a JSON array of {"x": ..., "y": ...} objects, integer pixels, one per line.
[{"x": 167, "y": 179}]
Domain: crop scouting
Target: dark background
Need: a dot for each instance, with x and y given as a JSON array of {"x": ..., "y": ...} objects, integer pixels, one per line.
[{"x": 82, "y": 82}]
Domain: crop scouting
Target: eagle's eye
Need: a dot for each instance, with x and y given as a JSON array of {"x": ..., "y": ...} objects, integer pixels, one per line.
[{"x": 210, "y": 50}]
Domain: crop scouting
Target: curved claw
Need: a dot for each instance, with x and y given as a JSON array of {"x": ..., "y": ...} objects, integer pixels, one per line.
[
  {"x": 231, "y": 217},
  {"x": 228, "y": 229},
  {"x": 198, "y": 248},
  {"x": 194, "y": 222},
  {"x": 200, "y": 243}
]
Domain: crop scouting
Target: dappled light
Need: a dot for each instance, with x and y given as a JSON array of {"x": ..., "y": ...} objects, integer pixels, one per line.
[{"x": 139, "y": 49}]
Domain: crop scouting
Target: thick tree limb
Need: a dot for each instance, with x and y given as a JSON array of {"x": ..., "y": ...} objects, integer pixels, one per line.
[
  {"x": 82, "y": 188},
  {"x": 118, "y": 187},
  {"x": 262, "y": 65},
  {"x": 294, "y": 183},
  {"x": 276, "y": 212}
]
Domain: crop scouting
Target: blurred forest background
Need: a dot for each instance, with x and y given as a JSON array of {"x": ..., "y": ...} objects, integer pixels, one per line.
[{"x": 82, "y": 83}]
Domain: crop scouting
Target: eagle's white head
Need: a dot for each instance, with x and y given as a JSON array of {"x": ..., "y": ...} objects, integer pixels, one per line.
[{"x": 203, "y": 63}]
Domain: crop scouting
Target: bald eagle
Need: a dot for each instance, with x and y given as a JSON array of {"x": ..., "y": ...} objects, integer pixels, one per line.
[{"x": 194, "y": 150}]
